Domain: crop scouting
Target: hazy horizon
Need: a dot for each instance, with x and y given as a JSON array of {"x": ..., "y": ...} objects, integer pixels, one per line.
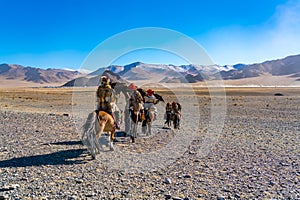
[{"x": 135, "y": 61}]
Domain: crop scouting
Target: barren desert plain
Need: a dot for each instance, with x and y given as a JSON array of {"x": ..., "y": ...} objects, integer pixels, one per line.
[{"x": 243, "y": 143}]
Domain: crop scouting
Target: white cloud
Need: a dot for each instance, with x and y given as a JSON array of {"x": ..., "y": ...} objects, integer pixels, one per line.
[
  {"x": 285, "y": 36},
  {"x": 276, "y": 38}
]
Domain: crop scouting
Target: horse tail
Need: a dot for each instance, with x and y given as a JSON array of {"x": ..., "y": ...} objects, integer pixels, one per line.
[
  {"x": 89, "y": 125},
  {"x": 89, "y": 131}
]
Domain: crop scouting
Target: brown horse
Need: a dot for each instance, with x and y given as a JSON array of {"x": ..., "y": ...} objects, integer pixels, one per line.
[{"x": 97, "y": 123}]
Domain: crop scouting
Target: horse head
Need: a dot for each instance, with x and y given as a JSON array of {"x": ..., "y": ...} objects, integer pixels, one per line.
[{"x": 119, "y": 87}]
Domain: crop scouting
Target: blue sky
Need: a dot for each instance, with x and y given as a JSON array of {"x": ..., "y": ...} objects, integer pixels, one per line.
[{"x": 62, "y": 33}]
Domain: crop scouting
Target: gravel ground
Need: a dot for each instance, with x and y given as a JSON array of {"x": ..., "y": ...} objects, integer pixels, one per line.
[{"x": 256, "y": 156}]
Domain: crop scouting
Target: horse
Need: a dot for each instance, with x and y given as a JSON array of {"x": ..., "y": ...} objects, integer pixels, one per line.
[
  {"x": 132, "y": 115},
  {"x": 149, "y": 114},
  {"x": 168, "y": 118},
  {"x": 168, "y": 114},
  {"x": 97, "y": 123},
  {"x": 136, "y": 116},
  {"x": 120, "y": 87},
  {"x": 176, "y": 115}
]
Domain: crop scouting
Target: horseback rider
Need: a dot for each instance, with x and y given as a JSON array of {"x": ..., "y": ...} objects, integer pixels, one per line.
[
  {"x": 176, "y": 107},
  {"x": 136, "y": 100},
  {"x": 135, "y": 97},
  {"x": 150, "y": 100},
  {"x": 106, "y": 100}
]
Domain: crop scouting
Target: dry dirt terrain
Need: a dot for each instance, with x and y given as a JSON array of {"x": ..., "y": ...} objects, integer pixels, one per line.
[{"x": 242, "y": 144}]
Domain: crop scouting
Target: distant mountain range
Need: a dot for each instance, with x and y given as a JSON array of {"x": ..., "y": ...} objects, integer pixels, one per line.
[
  {"x": 36, "y": 75},
  {"x": 93, "y": 80},
  {"x": 158, "y": 73},
  {"x": 281, "y": 67}
]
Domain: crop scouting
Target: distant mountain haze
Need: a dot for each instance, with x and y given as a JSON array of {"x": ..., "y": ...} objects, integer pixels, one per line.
[
  {"x": 158, "y": 73},
  {"x": 36, "y": 75}
]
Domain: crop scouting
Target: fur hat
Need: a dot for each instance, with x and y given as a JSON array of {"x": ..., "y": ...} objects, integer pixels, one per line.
[{"x": 105, "y": 79}]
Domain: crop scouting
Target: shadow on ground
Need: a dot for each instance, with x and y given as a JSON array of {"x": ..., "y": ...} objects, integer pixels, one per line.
[
  {"x": 66, "y": 157},
  {"x": 66, "y": 143}
]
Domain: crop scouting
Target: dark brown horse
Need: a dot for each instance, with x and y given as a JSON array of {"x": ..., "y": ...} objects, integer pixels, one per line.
[
  {"x": 168, "y": 114},
  {"x": 176, "y": 115}
]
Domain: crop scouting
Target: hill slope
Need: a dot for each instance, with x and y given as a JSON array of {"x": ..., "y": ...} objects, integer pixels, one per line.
[{"x": 35, "y": 76}]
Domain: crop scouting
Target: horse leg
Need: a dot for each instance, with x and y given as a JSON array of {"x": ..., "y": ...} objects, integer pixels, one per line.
[
  {"x": 97, "y": 147},
  {"x": 166, "y": 122},
  {"x": 131, "y": 128},
  {"x": 132, "y": 139},
  {"x": 132, "y": 131},
  {"x": 169, "y": 120},
  {"x": 178, "y": 120},
  {"x": 111, "y": 139},
  {"x": 148, "y": 123},
  {"x": 127, "y": 121},
  {"x": 149, "y": 129},
  {"x": 100, "y": 131},
  {"x": 174, "y": 120},
  {"x": 132, "y": 125},
  {"x": 144, "y": 126},
  {"x": 135, "y": 125}
]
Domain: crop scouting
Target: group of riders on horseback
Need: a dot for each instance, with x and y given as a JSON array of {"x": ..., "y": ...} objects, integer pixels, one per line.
[
  {"x": 139, "y": 100},
  {"x": 173, "y": 113},
  {"x": 140, "y": 107}
]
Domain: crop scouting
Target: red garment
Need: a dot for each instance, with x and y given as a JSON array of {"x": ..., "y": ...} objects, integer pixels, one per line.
[{"x": 132, "y": 86}]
